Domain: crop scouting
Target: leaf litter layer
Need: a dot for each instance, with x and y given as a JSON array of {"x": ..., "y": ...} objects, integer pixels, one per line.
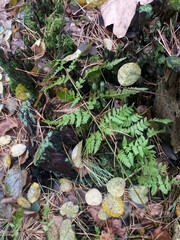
[{"x": 82, "y": 127}]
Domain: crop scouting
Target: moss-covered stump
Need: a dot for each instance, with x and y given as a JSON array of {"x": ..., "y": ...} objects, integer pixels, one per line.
[
  {"x": 17, "y": 77},
  {"x": 168, "y": 106},
  {"x": 51, "y": 154}
]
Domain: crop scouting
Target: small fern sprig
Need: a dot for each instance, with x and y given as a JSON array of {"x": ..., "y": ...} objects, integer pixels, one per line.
[
  {"x": 121, "y": 93},
  {"x": 93, "y": 143},
  {"x": 104, "y": 65},
  {"x": 77, "y": 118}
]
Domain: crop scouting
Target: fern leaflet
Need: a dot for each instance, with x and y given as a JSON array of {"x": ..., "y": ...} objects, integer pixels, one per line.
[{"x": 93, "y": 143}]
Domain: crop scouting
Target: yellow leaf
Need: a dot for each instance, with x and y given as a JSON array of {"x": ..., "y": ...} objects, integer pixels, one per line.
[
  {"x": 91, "y": 3},
  {"x": 21, "y": 92},
  {"x": 178, "y": 210},
  {"x": 12, "y": 3},
  {"x": 34, "y": 193},
  {"x": 113, "y": 206},
  {"x": 7, "y": 162},
  {"x": 35, "y": 71},
  {"x": 23, "y": 202}
]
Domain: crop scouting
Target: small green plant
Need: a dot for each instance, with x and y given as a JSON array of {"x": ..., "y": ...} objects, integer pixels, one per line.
[
  {"x": 97, "y": 231},
  {"x": 133, "y": 151},
  {"x": 46, "y": 223},
  {"x": 16, "y": 223},
  {"x": 175, "y": 4}
]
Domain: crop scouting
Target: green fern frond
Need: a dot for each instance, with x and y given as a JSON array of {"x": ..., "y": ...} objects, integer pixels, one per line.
[
  {"x": 164, "y": 121},
  {"x": 59, "y": 81},
  {"x": 98, "y": 137},
  {"x": 104, "y": 65},
  {"x": 153, "y": 177},
  {"x": 76, "y": 100},
  {"x": 79, "y": 83},
  {"x": 93, "y": 143},
  {"x": 152, "y": 132},
  {"x": 121, "y": 93},
  {"x": 91, "y": 70},
  {"x": 123, "y": 157},
  {"x": 59, "y": 69},
  {"x": 77, "y": 118},
  {"x": 110, "y": 65},
  {"x": 138, "y": 128}
]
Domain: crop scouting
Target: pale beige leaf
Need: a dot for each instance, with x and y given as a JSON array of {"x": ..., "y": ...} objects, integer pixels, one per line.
[
  {"x": 76, "y": 155},
  {"x": 128, "y": 74},
  {"x": 72, "y": 56},
  {"x": 93, "y": 197},
  {"x": 120, "y": 13},
  {"x": 116, "y": 186}
]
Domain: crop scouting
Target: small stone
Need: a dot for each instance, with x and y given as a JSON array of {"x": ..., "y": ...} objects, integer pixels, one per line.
[
  {"x": 93, "y": 197},
  {"x": 4, "y": 140},
  {"x": 17, "y": 150}
]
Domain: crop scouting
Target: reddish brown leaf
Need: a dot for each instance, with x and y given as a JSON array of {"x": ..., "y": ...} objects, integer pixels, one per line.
[
  {"x": 115, "y": 227},
  {"x": 7, "y": 124},
  {"x": 94, "y": 214},
  {"x": 161, "y": 235},
  {"x": 105, "y": 236},
  {"x": 155, "y": 209},
  {"x": 36, "y": 49},
  {"x": 8, "y": 200}
]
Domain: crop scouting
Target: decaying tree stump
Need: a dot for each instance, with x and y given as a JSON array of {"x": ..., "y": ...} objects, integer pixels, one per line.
[{"x": 169, "y": 106}]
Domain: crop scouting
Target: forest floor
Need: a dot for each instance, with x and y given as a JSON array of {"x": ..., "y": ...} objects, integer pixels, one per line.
[{"x": 83, "y": 152}]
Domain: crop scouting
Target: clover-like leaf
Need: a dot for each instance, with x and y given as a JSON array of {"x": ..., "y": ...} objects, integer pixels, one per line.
[
  {"x": 116, "y": 186},
  {"x": 69, "y": 209}
]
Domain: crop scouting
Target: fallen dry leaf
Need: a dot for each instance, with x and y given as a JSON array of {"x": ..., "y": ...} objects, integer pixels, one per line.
[
  {"x": 23, "y": 158},
  {"x": 114, "y": 226},
  {"x": 94, "y": 214},
  {"x": 120, "y": 13},
  {"x": 39, "y": 49},
  {"x": 8, "y": 200},
  {"x": 105, "y": 236},
  {"x": 3, "y": 14},
  {"x": 7, "y": 124},
  {"x": 155, "y": 209},
  {"x": 161, "y": 235}
]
